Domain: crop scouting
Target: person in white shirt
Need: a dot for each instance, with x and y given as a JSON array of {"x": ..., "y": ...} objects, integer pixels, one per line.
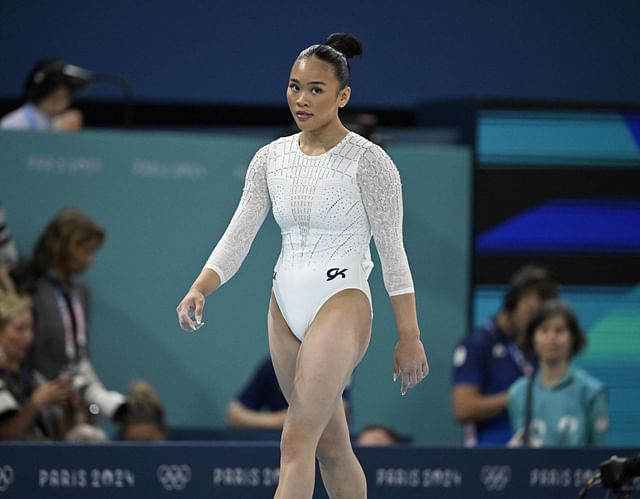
[{"x": 330, "y": 190}]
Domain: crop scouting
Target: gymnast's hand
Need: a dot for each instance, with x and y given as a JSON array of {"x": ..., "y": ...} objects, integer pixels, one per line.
[
  {"x": 409, "y": 363},
  {"x": 190, "y": 310}
]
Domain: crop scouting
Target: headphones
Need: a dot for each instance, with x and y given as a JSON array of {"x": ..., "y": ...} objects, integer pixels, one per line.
[
  {"x": 46, "y": 70},
  {"x": 48, "y": 74}
]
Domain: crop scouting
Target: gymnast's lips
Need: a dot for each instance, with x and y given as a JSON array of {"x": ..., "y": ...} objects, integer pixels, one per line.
[{"x": 301, "y": 115}]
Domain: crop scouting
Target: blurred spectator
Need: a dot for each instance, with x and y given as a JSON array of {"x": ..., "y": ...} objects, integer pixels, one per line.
[
  {"x": 8, "y": 252},
  {"x": 364, "y": 124},
  {"x": 380, "y": 435},
  {"x": 487, "y": 362},
  {"x": 66, "y": 248},
  {"x": 261, "y": 404},
  {"x": 6, "y": 282},
  {"x": 48, "y": 92},
  {"x": 27, "y": 407},
  {"x": 560, "y": 405},
  {"x": 8, "y": 249},
  {"x": 143, "y": 419}
]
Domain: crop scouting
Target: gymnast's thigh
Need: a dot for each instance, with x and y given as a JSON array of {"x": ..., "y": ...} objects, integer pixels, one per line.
[
  {"x": 283, "y": 346},
  {"x": 334, "y": 344},
  {"x": 346, "y": 317}
]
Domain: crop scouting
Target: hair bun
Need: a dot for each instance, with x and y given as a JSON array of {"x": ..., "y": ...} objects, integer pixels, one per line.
[{"x": 345, "y": 43}]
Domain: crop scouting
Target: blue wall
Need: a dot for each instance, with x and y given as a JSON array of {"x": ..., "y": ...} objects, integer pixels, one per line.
[{"x": 240, "y": 52}]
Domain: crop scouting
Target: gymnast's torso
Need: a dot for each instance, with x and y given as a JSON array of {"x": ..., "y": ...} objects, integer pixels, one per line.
[{"x": 327, "y": 207}]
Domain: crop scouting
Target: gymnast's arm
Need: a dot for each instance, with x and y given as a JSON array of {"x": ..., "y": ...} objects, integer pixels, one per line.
[
  {"x": 381, "y": 190},
  {"x": 231, "y": 250}
]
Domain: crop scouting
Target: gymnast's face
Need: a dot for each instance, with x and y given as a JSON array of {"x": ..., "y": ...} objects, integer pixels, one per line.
[{"x": 314, "y": 96}]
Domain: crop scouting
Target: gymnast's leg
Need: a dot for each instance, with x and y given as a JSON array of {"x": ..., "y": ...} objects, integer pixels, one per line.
[
  {"x": 312, "y": 376},
  {"x": 342, "y": 474}
]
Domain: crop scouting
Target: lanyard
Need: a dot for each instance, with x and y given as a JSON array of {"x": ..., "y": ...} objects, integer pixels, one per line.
[
  {"x": 71, "y": 337},
  {"x": 515, "y": 353},
  {"x": 521, "y": 361}
]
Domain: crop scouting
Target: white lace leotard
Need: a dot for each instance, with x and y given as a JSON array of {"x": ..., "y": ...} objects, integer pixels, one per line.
[{"x": 327, "y": 207}]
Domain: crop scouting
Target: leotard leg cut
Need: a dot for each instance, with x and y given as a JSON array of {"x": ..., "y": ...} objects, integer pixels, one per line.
[{"x": 300, "y": 293}]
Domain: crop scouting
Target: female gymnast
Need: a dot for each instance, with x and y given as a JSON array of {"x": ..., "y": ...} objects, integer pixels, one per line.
[{"x": 330, "y": 190}]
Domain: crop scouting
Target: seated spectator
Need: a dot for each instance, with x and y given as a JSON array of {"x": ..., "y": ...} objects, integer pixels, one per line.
[
  {"x": 560, "y": 405},
  {"x": 380, "y": 435},
  {"x": 492, "y": 358},
  {"x": 261, "y": 404},
  {"x": 48, "y": 91},
  {"x": 8, "y": 252},
  {"x": 29, "y": 410},
  {"x": 65, "y": 249},
  {"x": 143, "y": 419}
]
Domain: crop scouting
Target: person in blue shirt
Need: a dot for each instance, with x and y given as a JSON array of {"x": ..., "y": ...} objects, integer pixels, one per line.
[
  {"x": 488, "y": 361},
  {"x": 48, "y": 93},
  {"x": 261, "y": 405},
  {"x": 560, "y": 405}
]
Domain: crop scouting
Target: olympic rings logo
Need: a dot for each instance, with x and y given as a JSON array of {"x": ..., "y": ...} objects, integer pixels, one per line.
[
  {"x": 495, "y": 478},
  {"x": 174, "y": 476},
  {"x": 6, "y": 477}
]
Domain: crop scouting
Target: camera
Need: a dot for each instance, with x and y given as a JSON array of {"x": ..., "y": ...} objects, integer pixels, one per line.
[{"x": 616, "y": 474}]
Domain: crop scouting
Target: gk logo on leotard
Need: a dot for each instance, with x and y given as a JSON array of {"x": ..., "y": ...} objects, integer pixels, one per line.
[{"x": 333, "y": 273}]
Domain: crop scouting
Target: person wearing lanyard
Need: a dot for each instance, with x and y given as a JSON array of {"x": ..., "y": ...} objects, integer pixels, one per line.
[
  {"x": 488, "y": 361},
  {"x": 66, "y": 248},
  {"x": 561, "y": 405},
  {"x": 48, "y": 92}
]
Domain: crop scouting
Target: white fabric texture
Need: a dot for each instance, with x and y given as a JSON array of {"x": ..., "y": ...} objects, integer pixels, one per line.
[
  {"x": 26, "y": 117},
  {"x": 327, "y": 207}
]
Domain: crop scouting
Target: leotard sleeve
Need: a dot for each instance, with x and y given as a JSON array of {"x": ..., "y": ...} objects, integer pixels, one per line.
[
  {"x": 381, "y": 191},
  {"x": 231, "y": 250}
]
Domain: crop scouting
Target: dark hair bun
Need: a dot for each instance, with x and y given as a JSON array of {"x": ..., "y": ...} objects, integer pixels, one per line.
[{"x": 345, "y": 43}]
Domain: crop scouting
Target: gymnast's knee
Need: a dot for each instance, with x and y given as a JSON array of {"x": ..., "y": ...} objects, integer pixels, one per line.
[
  {"x": 296, "y": 440},
  {"x": 332, "y": 449}
]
